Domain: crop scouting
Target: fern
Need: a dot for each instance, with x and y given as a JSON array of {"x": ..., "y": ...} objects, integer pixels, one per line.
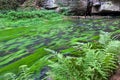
[
  {"x": 113, "y": 47},
  {"x": 10, "y": 76},
  {"x": 24, "y": 74},
  {"x": 104, "y": 37},
  {"x": 96, "y": 64}
]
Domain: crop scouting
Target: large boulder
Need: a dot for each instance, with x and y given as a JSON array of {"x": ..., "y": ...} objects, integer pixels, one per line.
[
  {"x": 50, "y": 4},
  {"x": 106, "y": 7},
  {"x": 78, "y": 6},
  {"x": 75, "y": 7},
  {"x": 63, "y": 3},
  {"x": 109, "y": 6},
  {"x": 96, "y": 3}
]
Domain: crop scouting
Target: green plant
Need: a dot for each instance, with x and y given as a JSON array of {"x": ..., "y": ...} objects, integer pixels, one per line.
[
  {"x": 105, "y": 37},
  {"x": 24, "y": 74},
  {"x": 95, "y": 64},
  {"x": 31, "y": 14},
  {"x": 113, "y": 47},
  {"x": 9, "y": 76},
  {"x": 13, "y": 4},
  {"x": 28, "y": 60}
]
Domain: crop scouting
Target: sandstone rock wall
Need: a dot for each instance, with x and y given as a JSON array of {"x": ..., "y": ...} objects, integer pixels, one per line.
[
  {"x": 63, "y": 3},
  {"x": 99, "y": 6},
  {"x": 78, "y": 4},
  {"x": 110, "y": 6}
]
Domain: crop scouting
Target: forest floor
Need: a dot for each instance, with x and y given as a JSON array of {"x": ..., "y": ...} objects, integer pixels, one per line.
[{"x": 22, "y": 39}]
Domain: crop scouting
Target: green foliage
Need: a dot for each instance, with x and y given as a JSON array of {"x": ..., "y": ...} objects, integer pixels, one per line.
[
  {"x": 95, "y": 64},
  {"x": 8, "y": 4},
  {"x": 116, "y": 34},
  {"x": 20, "y": 39},
  {"x": 104, "y": 38},
  {"x": 24, "y": 74},
  {"x": 29, "y": 60},
  {"x": 113, "y": 47},
  {"x": 13, "y": 33},
  {"x": 30, "y": 14},
  {"x": 26, "y": 34},
  {"x": 9, "y": 76}
]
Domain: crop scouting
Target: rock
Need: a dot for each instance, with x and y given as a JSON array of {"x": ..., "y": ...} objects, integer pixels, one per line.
[
  {"x": 50, "y": 4},
  {"x": 51, "y": 7},
  {"x": 97, "y": 4},
  {"x": 62, "y": 9},
  {"x": 58, "y": 9},
  {"x": 63, "y": 3},
  {"x": 106, "y": 6},
  {"x": 96, "y": 1},
  {"x": 109, "y": 6},
  {"x": 116, "y": 76},
  {"x": 78, "y": 5}
]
